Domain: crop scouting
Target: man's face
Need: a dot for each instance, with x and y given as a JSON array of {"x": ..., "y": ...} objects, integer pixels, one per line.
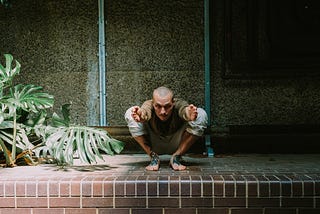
[{"x": 163, "y": 106}]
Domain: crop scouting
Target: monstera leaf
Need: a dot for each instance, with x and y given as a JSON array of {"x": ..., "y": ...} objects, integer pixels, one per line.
[
  {"x": 23, "y": 112},
  {"x": 58, "y": 121},
  {"x": 87, "y": 142},
  {"x": 8, "y": 73},
  {"x": 29, "y": 98}
]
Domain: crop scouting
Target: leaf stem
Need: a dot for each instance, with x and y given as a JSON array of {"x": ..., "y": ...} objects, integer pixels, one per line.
[{"x": 14, "y": 141}]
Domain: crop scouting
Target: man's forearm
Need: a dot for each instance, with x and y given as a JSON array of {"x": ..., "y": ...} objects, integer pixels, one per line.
[{"x": 146, "y": 109}]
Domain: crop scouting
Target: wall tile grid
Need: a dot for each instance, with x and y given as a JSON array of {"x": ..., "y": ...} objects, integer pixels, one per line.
[{"x": 247, "y": 193}]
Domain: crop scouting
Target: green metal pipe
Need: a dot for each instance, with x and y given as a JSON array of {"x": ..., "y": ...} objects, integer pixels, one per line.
[
  {"x": 207, "y": 72},
  {"x": 102, "y": 66}
]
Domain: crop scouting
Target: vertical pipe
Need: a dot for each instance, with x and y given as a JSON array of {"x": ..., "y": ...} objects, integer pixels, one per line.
[
  {"x": 102, "y": 65},
  {"x": 207, "y": 73}
]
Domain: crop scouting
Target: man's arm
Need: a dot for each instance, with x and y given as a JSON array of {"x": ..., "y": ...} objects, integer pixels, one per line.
[
  {"x": 137, "y": 114},
  {"x": 143, "y": 113},
  {"x": 187, "y": 111}
]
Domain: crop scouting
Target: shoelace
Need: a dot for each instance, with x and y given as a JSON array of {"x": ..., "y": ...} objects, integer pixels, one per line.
[
  {"x": 154, "y": 159},
  {"x": 176, "y": 160}
]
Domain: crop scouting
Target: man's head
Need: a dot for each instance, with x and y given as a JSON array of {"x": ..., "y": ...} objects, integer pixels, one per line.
[{"x": 163, "y": 102}]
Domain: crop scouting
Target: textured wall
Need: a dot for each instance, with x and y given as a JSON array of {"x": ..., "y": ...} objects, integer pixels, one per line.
[
  {"x": 153, "y": 43},
  {"x": 56, "y": 44},
  {"x": 148, "y": 44}
]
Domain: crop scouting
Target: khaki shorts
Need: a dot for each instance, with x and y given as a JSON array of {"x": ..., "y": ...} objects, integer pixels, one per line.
[{"x": 165, "y": 144}]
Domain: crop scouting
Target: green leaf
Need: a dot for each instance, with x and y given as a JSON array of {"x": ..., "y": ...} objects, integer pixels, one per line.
[
  {"x": 117, "y": 145},
  {"x": 103, "y": 146},
  {"x": 94, "y": 146},
  {"x": 59, "y": 146},
  {"x": 6, "y": 125},
  {"x": 85, "y": 141},
  {"x": 80, "y": 147},
  {"x": 22, "y": 141},
  {"x": 29, "y": 98},
  {"x": 6, "y": 153},
  {"x": 36, "y": 119},
  {"x": 69, "y": 147},
  {"x": 7, "y": 73},
  {"x": 88, "y": 148},
  {"x": 65, "y": 110},
  {"x": 58, "y": 121}
]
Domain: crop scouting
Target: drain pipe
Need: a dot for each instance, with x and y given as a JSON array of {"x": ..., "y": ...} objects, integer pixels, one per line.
[
  {"x": 102, "y": 65},
  {"x": 210, "y": 152}
]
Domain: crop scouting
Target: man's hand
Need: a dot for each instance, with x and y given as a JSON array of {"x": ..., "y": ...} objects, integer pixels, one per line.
[
  {"x": 137, "y": 114},
  {"x": 191, "y": 112}
]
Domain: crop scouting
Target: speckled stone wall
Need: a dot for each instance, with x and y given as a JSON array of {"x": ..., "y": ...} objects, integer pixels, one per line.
[
  {"x": 148, "y": 44},
  {"x": 56, "y": 44}
]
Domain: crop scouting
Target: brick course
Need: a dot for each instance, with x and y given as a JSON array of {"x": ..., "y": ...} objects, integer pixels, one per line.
[{"x": 166, "y": 191}]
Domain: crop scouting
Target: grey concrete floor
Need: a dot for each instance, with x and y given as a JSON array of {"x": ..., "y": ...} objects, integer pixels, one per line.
[{"x": 134, "y": 165}]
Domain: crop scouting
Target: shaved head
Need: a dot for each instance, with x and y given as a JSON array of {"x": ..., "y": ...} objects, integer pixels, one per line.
[
  {"x": 163, "y": 92},
  {"x": 163, "y": 102}
]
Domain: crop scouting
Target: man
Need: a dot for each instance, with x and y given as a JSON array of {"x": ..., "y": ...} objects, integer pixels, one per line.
[{"x": 166, "y": 125}]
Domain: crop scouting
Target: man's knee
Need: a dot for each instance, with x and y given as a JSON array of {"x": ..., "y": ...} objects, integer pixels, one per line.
[
  {"x": 135, "y": 128},
  {"x": 202, "y": 118},
  {"x": 128, "y": 116},
  {"x": 198, "y": 126}
]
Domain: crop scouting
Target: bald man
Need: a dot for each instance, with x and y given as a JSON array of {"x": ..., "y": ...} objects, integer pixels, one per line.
[{"x": 166, "y": 125}]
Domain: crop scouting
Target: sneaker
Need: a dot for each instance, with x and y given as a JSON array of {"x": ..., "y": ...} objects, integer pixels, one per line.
[
  {"x": 154, "y": 163},
  {"x": 175, "y": 163}
]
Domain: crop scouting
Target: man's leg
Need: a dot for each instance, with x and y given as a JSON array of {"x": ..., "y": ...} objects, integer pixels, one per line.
[
  {"x": 139, "y": 133},
  {"x": 193, "y": 132},
  {"x": 187, "y": 140},
  {"x": 143, "y": 142},
  {"x": 155, "y": 161}
]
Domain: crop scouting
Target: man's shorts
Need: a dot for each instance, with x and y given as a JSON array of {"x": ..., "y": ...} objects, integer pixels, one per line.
[{"x": 167, "y": 144}]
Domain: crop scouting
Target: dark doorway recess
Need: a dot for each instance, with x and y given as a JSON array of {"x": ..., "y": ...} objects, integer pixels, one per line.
[{"x": 271, "y": 38}]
